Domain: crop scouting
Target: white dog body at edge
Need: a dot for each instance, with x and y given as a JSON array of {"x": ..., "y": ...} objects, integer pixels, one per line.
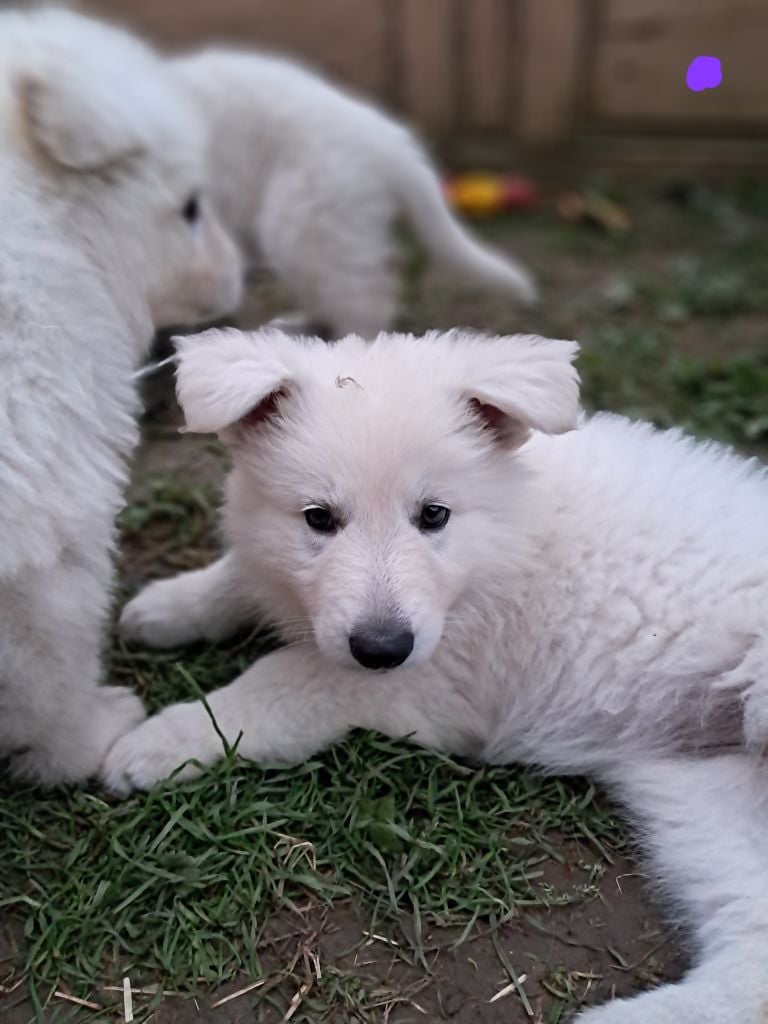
[
  {"x": 103, "y": 238},
  {"x": 582, "y": 595}
]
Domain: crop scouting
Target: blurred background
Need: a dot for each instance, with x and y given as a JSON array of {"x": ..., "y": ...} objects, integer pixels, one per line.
[{"x": 562, "y": 87}]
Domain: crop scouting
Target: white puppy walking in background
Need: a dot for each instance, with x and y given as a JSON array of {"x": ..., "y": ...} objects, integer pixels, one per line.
[
  {"x": 103, "y": 237},
  {"x": 589, "y": 600},
  {"x": 311, "y": 181}
]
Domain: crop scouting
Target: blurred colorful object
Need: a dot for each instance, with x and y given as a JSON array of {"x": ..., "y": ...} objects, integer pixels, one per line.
[
  {"x": 594, "y": 209},
  {"x": 481, "y": 195}
]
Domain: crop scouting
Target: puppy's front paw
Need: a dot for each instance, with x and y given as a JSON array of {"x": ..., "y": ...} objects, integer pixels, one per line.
[
  {"x": 161, "y": 616},
  {"x": 155, "y": 749}
]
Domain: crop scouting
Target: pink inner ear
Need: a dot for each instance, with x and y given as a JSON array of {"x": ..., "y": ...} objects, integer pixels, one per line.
[
  {"x": 266, "y": 408},
  {"x": 493, "y": 418}
]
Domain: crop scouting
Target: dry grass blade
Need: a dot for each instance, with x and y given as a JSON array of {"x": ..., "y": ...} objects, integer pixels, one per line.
[
  {"x": 240, "y": 992},
  {"x": 87, "y": 1003}
]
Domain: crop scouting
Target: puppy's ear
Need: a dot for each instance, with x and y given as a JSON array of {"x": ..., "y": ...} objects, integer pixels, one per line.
[
  {"x": 228, "y": 379},
  {"x": 76, "y": 125},
  {"x": 521, "y": 384}
]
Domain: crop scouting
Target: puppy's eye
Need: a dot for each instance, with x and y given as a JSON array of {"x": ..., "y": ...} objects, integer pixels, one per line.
[
  {"x": 191, "y": 210},
  {"x": 433, "y": 517},
  {"x": 319, "y": 519}
]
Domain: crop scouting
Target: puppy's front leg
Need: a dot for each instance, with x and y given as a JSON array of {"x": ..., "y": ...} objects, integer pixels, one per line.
[
  {"x": 205, "y": 604},
  {"x": 286, "y": 707}
]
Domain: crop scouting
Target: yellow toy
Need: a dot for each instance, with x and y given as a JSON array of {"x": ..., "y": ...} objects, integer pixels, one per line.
[{"x": 481, "y": 195}]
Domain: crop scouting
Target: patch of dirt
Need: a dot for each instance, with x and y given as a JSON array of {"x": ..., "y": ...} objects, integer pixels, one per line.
[{"x": 612, "y": 945}]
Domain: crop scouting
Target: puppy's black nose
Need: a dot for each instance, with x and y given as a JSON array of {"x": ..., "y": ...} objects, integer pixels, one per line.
[{"x": 381, "y": 646}]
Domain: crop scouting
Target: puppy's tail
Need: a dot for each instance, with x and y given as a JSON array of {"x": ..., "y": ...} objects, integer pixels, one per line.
[{"x": 448, "y": 243}]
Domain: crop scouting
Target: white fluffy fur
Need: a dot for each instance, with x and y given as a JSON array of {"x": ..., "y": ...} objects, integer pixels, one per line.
[
  {"x": 99, "y": 151},
  {"x": 311, "y": 181},
  {"x": 595, "y": 604}
]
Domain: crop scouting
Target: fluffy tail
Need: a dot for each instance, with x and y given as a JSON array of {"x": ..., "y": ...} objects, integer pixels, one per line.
[
  {"x": 448, "y": 243},
  {"x": 706, "y": 828}
]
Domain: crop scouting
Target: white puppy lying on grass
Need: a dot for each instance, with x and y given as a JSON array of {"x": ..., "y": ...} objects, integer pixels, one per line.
[
  {"x": 103, "y": 237},
  {"x": 587, "y": 596},
  {"x": 311, "y": 181}
]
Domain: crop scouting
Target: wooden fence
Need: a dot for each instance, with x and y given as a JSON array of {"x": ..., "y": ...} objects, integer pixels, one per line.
[{"x": 562, "y": 86}]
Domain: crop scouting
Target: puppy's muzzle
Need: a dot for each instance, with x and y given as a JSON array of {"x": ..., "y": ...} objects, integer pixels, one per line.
[{"x": 381, "y": 645}]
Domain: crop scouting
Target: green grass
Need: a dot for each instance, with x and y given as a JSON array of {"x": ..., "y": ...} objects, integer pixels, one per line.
[
  {"x": 185, "y": 510},
  {"x": 177, "y": 885},
  {"x": 172, "y": 520},
  {"x": 638, "y": 371}
]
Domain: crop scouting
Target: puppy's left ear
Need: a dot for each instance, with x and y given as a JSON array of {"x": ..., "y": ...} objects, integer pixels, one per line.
[
  {"x": 227, "y": 379},
  {"x": 524, "y": 383},
  {"x": 75, "y": 125}
]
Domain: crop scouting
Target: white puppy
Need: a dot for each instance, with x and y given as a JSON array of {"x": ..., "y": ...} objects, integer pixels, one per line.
[
  {"x": 311, "y": 180},
  {"x": 103, "y": 237},
  {"x": 590, "y": 600}
]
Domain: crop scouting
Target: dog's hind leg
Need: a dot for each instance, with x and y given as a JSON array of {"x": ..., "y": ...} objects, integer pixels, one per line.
[
  {"x": 705, "y": 823},
  {"x": 205, "y": 604},
  {"x": 56, "y": 721}
]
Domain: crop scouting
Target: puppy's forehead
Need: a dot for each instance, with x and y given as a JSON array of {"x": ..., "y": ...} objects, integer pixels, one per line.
[
  {"x": 366, "y": 426},
  {"x": 374, "y": 400},
  {"x": 359, "y": 396},
  {"x": 356, "y": 423},
  {"x": 362, "y": 374}
]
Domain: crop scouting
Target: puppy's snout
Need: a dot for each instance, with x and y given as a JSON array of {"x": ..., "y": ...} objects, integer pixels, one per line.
[{"x": 381, "y": 645}]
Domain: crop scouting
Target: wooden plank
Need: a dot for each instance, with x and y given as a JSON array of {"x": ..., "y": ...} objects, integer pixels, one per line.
[
  {"x": 488, "y": 46},
  {"x": 427, "y": 65},
  {"x": 623, "y": 157},
  {"x": 646, "y": 49},
  {"x": 346, "y": 38},
  {"x": 551, "y": 41}
]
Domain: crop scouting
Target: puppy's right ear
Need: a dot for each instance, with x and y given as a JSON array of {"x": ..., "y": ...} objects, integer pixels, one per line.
[
  {"x": 227, "y": 379},
  {"x": 522, "y": 383}
]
